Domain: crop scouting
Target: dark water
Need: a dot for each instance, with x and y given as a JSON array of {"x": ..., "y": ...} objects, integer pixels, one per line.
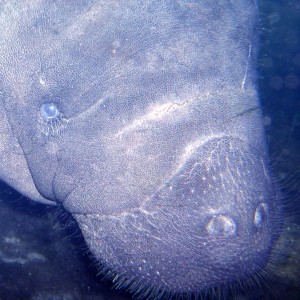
[
  {"x": 279, "y": 67},
  {"x": 39, "y": 259}
]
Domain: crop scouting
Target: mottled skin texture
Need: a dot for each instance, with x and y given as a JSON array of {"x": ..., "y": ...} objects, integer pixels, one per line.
[{"x": 157, "y": 146}]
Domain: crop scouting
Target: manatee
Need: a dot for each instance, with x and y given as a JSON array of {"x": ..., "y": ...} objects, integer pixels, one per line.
[{"x": 142, "y": 120}]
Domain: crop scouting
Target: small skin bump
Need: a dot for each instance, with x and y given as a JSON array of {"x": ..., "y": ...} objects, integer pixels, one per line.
[{"x": 42, "y": 81}]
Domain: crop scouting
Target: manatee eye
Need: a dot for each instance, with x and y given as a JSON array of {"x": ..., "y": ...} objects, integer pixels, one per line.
[
  {"x": 51, "y": 121},
  {"x": 49, "y": 111}
]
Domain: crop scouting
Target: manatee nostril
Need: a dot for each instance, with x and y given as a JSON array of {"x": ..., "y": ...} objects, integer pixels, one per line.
[
  {"x": 260, "y": 215},
  {"x": 49, "y": 111},
  {"x": 221, "y": 226}
]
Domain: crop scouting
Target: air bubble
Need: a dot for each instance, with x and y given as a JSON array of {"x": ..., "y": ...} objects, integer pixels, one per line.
[{"x": 221, "y": 226}]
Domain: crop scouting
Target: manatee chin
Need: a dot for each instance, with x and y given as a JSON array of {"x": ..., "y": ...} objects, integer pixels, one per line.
[{"x": 211, "y": 224}]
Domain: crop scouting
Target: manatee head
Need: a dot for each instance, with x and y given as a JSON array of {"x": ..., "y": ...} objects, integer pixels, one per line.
[{"x": 141, "y": 118}]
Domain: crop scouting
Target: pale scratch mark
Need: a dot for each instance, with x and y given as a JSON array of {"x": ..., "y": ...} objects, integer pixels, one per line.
[
  {"x": 246, "y": 71},
  {"x": 157, "y": 112},
  {"x": 169, "y": 112},
  {"x": 92, "y": 110}
]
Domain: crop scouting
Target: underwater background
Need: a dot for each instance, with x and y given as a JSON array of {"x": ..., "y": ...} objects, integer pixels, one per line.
[{"x": 43, "y": 256}]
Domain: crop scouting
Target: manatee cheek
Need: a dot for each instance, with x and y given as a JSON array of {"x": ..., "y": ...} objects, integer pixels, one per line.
[{"x": 209, "y": 225}]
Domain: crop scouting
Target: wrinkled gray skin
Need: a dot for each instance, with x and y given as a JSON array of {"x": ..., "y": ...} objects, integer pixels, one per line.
[{"x": 155, "y": 141}]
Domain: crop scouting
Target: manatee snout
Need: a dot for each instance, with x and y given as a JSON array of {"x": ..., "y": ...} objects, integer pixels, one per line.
[{"x": 213, "y": 222}]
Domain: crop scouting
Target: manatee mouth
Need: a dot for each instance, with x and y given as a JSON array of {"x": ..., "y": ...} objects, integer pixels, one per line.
[{"x": 210, "y": 225}]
